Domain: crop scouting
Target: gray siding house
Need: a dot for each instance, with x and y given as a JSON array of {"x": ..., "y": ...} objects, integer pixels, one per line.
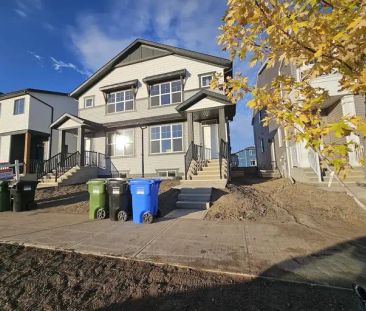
[
  {"x": 149, "y": 112},
  {"x": 278, "y": 156}
]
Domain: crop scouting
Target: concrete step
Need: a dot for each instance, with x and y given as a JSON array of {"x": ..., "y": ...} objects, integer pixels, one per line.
[
  {"x": 208, "y": 168},
  {"x": 194, "y": 197},
  {"x": 206, "y": 177},
  {"x": 219, "y": 184},
  {"x": 193, "y": 205},
  {"x": 209, "y": 172},
  {"x": 47, "y": 185},
  {"x": 197, "y": 191}
]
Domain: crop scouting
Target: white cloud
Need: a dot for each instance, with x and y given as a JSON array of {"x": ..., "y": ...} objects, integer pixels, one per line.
[
  {"x": 20, "y": 13},
  {"x": 36, "y": 56},
  {"x": 191, "y": 24},
  {"x": 58, "y": 65}
]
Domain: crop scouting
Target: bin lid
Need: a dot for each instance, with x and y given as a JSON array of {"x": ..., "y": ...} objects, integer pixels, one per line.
[
  {"x": 99, "y": 181},
  {"x": 117, "y": 181},
  {"x": 141, "y": 181}
]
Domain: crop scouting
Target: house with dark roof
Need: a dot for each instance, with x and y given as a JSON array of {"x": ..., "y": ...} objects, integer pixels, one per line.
[
  {"x": 149, "y": 111},
  {"x": 25, "y": 119}
]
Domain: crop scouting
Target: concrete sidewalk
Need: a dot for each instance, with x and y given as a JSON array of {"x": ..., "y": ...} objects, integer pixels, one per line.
[{"x": 285, "y": 251}]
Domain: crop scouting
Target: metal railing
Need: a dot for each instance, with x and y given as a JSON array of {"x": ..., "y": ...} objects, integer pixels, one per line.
[
  {"x": 223, "y": 155},
  {"x": 66, "y": 164},
  {"x": 360, "y": 157},
  {"x": 315, "y": 164},
  {"x": 42, "y": 168},
  {"x": 90, "y": 158}
]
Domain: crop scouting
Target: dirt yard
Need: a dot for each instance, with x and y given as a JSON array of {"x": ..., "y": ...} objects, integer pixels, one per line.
[
  {"x": 74, "y": 199},
  {"x": 35, "y": 279},
  {"x": 277, "y": 200}
]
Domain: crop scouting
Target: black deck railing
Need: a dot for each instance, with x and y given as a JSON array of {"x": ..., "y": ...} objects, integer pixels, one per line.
[{"x": 66, "y": 164}]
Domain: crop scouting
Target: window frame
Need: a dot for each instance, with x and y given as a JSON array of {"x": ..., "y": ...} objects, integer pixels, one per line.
[
  {"x": 167, "y": 171},
  {"x": 114, "y": 133},
  {"x": 203, "y": 75},
  {"x": 170, "y": 93},
  {"x": 86, "y": 99},
  {"x": 161, "y": 139},
  {"x": 14, "y": 108},
  {"x": 254, "y": 163},
  {"x": 108, "y": 104}
]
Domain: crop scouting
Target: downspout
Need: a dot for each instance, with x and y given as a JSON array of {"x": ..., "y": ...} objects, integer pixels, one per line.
[
  {"x": 49, "y": 106},
  {"x": 285, "y": 133}
]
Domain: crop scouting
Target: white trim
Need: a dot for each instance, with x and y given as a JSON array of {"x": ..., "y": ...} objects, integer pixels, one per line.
[
  {"x": 123, "y": 101},
  {"x": 161, "y": 139},
  {"x": 160, "y": 94},
  {"x": 205, "y": 76}
]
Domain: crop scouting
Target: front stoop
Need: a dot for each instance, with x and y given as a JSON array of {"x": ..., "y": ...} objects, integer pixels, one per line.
[{"x": 194, "y": 198}]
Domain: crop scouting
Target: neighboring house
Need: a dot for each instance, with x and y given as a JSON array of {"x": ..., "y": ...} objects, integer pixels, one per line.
[
  {"x": 289, "y": 158},
  {"x": 149, "y": 112},
  {"x": 246, "y": 157},
  {"x": 25, "y": 119}
]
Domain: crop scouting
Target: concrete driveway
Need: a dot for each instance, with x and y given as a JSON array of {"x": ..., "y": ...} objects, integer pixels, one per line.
[{"x": 282, "y": 251}]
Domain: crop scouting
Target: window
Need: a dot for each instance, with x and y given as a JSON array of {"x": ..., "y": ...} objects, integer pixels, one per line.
[
  {"x": 166, "y": 93},
  {"x": 120, "y": 101},
  {"x": 121, "y": 143},
  {"x": 253, "y": 163},
  {"x": 89, "y": 102},
  {"x": 262, "y": 145},
  {"x": 166, "y": 138},
  {"x": 167, "y": 173},
  {"x": 206, "y": 80},
  {"x": 19, "y": 106}
]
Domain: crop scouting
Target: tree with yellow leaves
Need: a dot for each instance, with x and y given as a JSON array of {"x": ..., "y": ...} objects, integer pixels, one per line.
[{"x": 328, "y": 34}]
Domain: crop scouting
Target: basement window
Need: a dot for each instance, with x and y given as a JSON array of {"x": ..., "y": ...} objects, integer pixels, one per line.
[{"x": 167, "y": 173}]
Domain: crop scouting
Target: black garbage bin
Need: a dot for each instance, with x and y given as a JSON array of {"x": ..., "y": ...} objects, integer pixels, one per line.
[
  {"x": 22, "y": 194},
  {"x": 119, "y": 197}
]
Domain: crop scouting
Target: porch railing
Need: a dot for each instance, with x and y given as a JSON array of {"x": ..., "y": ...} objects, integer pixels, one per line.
[
  {"x": 315, "y": 164},
  {"x": 223, "y": 155},
  {"x": 90, "y": 158},
  {"x": 360, "y": 157},
  {"x": 66, "y": 164},
  {"x": 42, "y": 168}
]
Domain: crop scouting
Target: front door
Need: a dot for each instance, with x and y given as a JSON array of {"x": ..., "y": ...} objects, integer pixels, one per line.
[
  {"x": 87, "y": 147},
  {"x": 210, "y": 141}
]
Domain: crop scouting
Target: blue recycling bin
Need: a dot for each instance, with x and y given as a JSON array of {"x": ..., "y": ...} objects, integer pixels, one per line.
[{"x": 144, "y": 194}]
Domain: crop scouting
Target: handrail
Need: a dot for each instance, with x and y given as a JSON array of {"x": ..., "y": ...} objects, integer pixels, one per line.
[
  {"x": 188, "y": 159},
  {"x": 66, "y": 164},
  {"x": 102, "y": 163},
  {"x": 223, "y": 154},
  {"x": 48, "y": 166}
]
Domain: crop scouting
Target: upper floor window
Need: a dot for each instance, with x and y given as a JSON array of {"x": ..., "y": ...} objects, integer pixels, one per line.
[
  {"x": 121, "y": 143},
  {"x": 166, "y": 138},
  {"x": 206, "y": 80},
  {"x": 166, "y": 93},
  {"x": 19, "y": 106},
  {"x": 89, "y": 102},
  {"x": 120, "y": 101}
]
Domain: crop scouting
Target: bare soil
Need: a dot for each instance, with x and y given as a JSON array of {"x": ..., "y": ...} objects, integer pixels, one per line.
[
  {"x": 36, "y": 279},
  {"x": 278, "y": 200},
  {"x": 74, "y": 199}
]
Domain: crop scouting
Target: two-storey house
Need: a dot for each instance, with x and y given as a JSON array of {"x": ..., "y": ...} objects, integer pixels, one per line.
[
  {"x": 278, "y": 155},
  {"x": 25, "y": 119},
  {"x": 149, "y": 111}
]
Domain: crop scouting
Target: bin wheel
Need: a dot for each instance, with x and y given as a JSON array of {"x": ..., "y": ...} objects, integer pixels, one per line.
[
  {"x": 101, "y": 214},
  {"x": 147, "y": 218},
  {"x": 122, "y": 215}
]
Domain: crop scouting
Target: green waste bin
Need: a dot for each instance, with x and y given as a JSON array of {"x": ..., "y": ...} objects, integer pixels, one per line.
[
  {"x": 4, "y": 196},
  {"x": 98, "y": 206}
]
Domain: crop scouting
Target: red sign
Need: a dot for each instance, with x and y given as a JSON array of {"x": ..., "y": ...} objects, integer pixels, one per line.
[{"x": 6, "y": 173}]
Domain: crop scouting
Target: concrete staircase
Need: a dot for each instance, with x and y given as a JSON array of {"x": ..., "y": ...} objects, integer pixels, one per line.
[
  {"x": 75, "y": 175},
  {"x": 194, "y": 198},
  {"x": 306, "y": 175},
  {"x": 208, "y": 176},
  {"x": 269, "y": 174}
]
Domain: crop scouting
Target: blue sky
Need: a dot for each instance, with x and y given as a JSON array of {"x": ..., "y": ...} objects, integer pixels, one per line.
[{"x": 56, "y": 45}]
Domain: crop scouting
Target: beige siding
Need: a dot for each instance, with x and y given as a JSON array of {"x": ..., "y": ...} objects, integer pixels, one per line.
[
  {"x": 153, "y": 162},
  {"x": 333, "y": 114},
  {"x": 10, "y": 122},
  {"x": 360, "y": 105},
  {"x": 4, "y": 148},
  {"x": 139, "y": 71}
]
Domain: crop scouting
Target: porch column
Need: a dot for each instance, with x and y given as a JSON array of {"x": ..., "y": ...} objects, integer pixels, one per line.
[
  {"x": 27, "y": 144},
  {"x": 222, "y": 125},
  {"x": 61, "y": 141},
  {"x": 190, "y": 127},
  {"x": 80, "y": 144}
]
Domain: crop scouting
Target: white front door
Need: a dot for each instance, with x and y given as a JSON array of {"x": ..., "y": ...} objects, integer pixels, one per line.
[
  {"x": 87, "y": 147},
  {"x": 211, "y": 140}
]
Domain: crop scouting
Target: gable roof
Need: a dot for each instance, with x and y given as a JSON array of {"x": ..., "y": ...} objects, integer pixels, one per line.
[
  {"x": 200, "y": 95},
  {"x": 81, "y": 121},
  {"x": 164, "y": 50},
  {"x": 26, "y": 91}
]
